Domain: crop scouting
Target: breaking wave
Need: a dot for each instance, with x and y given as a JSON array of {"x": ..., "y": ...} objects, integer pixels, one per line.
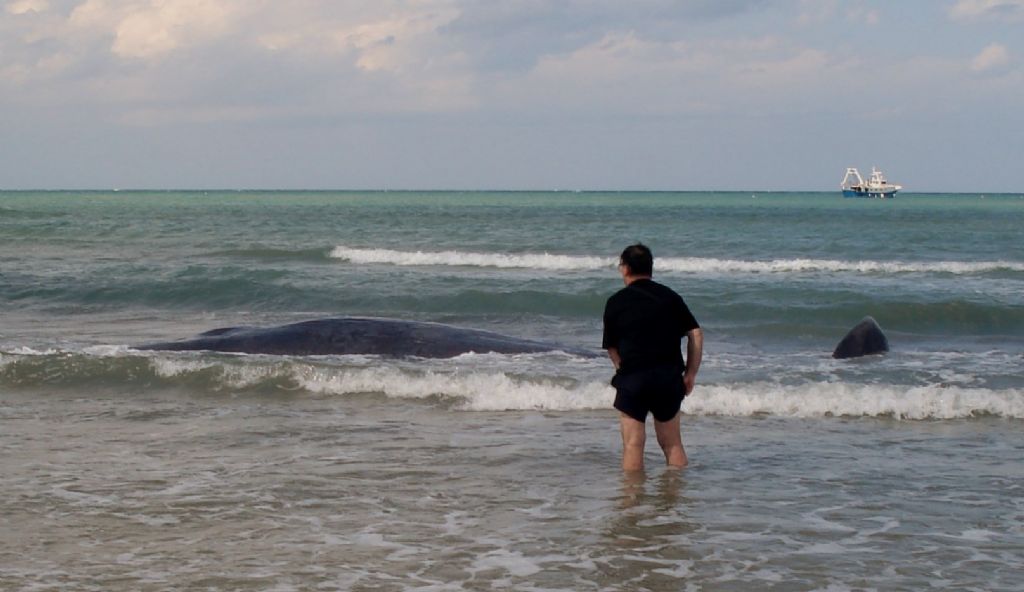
[
  {"x": 544, "y": 261},
  {"x": 479, "y": 383},
  {"x": 548, "y": 261}
]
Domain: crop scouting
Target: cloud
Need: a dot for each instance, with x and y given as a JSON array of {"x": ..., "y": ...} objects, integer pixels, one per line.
[
  {"x": 245, "y": 58},
  {"x": 151, "y": 29},
  {"x": 868, "y": 17},
  {"x": 154, "y": 62},
  {"x": 396, "y": 42},
  {"x": 1004, "y": 10},
  {"x": 994, "y": 58},
  {"x": 819, "y": 12},
  {"x": 815, "y": 12},
  {"x": 25, "y": 6},
  {"x": 627, "y": 75},
  {"x": 515, "y": 36},
  {"x": 167, "y": 25}
]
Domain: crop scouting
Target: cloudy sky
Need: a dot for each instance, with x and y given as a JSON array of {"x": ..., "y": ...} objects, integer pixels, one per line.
[{"x": 511, "y": 94}]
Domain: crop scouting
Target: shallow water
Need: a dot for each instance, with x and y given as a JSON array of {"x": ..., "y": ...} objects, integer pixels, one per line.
[{"x": 175, "y": 490}]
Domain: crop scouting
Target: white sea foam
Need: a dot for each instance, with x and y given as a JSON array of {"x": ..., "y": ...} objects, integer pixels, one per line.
[
  {"x": 841, "y": 399},
  {"x": 498, "y": 383},
  {"x": 28, "y": 351},
  {"x": 834, "y": 266},
  {"x": 14, "y": 356},
  {"x": 238, "y": 375},
  {"x": 476, "y": 391},
  {"x": 168, "y": 368},
  {"x": 489, "y": 389},
  {"x": 107, "y": 351},
  {"x": 547, "y": 261},
  {"x": 513, "y": 562}
]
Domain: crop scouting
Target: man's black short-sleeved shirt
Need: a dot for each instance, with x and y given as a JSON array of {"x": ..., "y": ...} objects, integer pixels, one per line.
[{"x": 645, "y": 321}]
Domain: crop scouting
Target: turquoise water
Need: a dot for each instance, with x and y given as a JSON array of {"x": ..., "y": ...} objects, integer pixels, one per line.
[
  {"x": 505, "y": 466},
  {"x": 778, "y": 278}
]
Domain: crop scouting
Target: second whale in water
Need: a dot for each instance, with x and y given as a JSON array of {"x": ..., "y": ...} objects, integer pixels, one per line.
[{"x": 865, "y": 339}]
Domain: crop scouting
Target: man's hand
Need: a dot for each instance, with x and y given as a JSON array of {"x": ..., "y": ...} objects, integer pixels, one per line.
[
  {"x": 694, "y": 354},
  {"x": 689, "y": 381},
  {"x": 613, "y": 353}
]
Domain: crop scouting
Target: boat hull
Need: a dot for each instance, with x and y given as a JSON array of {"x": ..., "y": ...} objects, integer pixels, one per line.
[{"x": 872, "y": 194}]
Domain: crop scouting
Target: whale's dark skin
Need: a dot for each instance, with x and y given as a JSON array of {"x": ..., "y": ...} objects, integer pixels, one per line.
[
  {"x": 865, "y": 339},
  {"x": 353, "y": 335}
]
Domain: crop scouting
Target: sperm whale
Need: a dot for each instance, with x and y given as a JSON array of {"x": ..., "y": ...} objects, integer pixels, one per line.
[{"x": 358, "y": 335}]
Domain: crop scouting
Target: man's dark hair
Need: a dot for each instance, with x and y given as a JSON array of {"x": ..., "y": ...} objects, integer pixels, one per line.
[{"x": 638, "y": 258}]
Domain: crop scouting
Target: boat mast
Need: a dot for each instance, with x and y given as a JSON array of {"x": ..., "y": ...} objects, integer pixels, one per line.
[{"x": 856, "y": 174}]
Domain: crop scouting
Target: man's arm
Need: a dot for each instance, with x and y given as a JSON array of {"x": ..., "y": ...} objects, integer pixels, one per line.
[{"x": 694, "y": 353}]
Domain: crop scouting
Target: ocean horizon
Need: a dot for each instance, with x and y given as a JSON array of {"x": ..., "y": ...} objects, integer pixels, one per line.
[{"x": 301, "y": 190}]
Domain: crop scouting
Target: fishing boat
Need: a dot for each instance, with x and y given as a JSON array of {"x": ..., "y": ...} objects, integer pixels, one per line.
[{"x": 853, "y": 185}]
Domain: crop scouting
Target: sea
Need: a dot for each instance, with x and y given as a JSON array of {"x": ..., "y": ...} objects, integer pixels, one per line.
[{"x": 125, "y": 469}]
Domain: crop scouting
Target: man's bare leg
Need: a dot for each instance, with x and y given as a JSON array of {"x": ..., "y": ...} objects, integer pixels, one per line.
[
  {"x": 671, "y": 441},
  {"x": 634, "y": 435}
]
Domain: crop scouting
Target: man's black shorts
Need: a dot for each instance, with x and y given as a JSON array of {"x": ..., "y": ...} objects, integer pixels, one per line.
[{"x": 657, "y": 390}]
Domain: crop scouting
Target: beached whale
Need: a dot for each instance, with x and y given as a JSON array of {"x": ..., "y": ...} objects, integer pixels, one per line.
[
  {"x": 355, "y": 335},
  {"x": 865, "y": 339}
]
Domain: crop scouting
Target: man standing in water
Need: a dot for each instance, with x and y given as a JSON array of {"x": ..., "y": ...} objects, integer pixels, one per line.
[{"x": 644, "y": 324}]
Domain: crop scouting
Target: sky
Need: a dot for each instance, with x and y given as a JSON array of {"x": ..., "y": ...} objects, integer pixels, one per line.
[{"x": 511, "y": 94}]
